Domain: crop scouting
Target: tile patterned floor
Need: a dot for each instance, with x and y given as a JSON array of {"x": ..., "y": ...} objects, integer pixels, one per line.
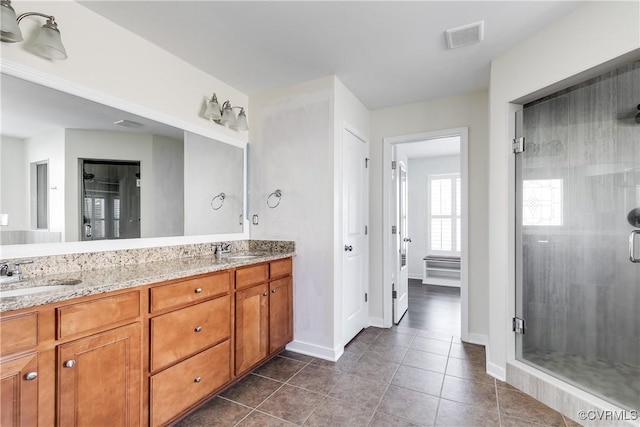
[
  {"x": 418, "y": 373},
  {"x": 387, "y": 377}
]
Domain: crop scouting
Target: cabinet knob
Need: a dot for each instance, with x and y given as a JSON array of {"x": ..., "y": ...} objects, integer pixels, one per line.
[
  {"x": 273, "y": 291},
  {"x": 197, "y": 379},
  {"x": 198, "y": 329},
  {"x": 265, "y": 294},
  {"x": 198, "y": 290},
  {"x": 69, "y": 363},
  {"x": 30, "y": 376}
]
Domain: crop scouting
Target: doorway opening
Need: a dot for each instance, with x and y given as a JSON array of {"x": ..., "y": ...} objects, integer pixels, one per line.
[{"x": 425, "y": 239}]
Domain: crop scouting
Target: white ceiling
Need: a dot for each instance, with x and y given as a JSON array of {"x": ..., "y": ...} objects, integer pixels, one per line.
[
  {"x": 29, "y": 109},
  {"x": 439, "y": 147},
  {"x": 386, "y": 52}
]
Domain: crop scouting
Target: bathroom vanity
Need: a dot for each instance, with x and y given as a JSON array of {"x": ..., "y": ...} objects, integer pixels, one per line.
[{"x": 150, "y": 350}]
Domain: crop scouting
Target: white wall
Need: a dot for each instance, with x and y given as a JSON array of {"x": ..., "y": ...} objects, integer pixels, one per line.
[
  {"x": 589, "y": 36},
  {"x": 211, "y": 168},
  {"x": 469, "y": 110},
  {"x": 14, "y": 187},
  {"x": 122, "y": 65},
  {"x": 418, "y": 171},
  {"x": 89, "y": 144},
  {"x": 167, "y": 185},
  {"x": 292, "y": 149}
]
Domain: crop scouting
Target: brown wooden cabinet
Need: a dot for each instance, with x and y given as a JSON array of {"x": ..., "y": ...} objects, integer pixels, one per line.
[
  {"x": 19, "y": 391},
  {"x": 190, "y": 351},
  {"x": 99, "y": 379},
  {"x": 264, "y": 312},
  {"x": 280, "y": 313}
]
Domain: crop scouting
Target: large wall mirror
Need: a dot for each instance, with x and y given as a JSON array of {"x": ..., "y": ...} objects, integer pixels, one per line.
[{"x": 73, "y": 170}]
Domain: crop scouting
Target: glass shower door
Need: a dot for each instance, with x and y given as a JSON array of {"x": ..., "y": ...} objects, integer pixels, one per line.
[{"x": 578, "y": 194}]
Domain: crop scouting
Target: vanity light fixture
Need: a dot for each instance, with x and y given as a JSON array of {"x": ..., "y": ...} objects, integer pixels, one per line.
[
  {"x": 224, "y": 115},
  {"x": 48, "y": 43}
]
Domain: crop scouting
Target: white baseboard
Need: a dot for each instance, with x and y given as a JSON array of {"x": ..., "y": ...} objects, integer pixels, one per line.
[
  {"x": 479, "y": 339},
  {"x": 314, "y": 350},
  {"x": 496, "y": 371},
  {"x": 378, "y": 322},
  {"x": 418, "y": 276}
]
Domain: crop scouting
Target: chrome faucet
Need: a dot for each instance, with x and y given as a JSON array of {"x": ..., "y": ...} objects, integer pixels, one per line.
[
  {"x": 222, "y": 248},
  {"x": 10, "y": 272}
]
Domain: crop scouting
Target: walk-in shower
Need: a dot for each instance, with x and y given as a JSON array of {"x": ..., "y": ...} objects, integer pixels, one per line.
[{"x": 577, "y": 198}]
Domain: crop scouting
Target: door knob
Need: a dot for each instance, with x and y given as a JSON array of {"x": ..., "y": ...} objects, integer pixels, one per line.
[
  {"x": 348, "y": 248},
  {"x": 197, "y": 379},
  {"x": 198, "y": 290},
  {"x": 198, "y": 328},
  {"x": 30, "y": 376},
  {"x": 265, "y": 294},
  {"x": 69, "y": 363}
]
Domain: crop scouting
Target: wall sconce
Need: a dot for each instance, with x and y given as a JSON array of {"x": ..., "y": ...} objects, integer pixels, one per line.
[
  {"x": 48, "y": 43},
  {"x": 224, "y": 115}
]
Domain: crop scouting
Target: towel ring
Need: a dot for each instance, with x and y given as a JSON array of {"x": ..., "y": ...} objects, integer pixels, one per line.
[
  {"x": 278, "y": 195},
  {"x": 220, "y": 201}
]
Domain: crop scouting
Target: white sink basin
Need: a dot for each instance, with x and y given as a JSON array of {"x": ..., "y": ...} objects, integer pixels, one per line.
[{"x": 32, "y": 290}]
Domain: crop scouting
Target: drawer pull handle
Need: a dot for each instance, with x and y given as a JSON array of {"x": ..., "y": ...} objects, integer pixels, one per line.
[
  {"x": 69, "y": 363},
  {"x": 197, "y": 379},
  {"x": 198, "y": 290},
  {"x": 198, "y": 329},
  {"x": 265, "y": 294},
  {"x": 273, "y": 291},
  {"x": 30, "y": 376}
]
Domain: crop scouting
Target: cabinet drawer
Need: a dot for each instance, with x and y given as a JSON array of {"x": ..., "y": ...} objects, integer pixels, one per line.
[
  {"x": 183, "y": 332},
  {"x": 98, "y": 313},
  {"x": 18, "y": 332},
  {"x": 179, "y": 387},
  {"x": 253, "y": 275},
  {"x": 279, "y": 268},
  {"x": 188, "y": 291}
]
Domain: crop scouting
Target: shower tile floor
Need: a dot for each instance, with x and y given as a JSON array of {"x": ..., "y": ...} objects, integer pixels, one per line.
[
  {"x": 619, "y": 382},
  {"x": 418, "y": 373}
]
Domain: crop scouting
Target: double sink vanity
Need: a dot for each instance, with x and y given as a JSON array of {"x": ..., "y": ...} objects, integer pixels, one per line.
[{"x": 139, "y": 343}]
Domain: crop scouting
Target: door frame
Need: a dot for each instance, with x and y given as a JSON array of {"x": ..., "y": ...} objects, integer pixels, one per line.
[{"x": 387, "y": 205}]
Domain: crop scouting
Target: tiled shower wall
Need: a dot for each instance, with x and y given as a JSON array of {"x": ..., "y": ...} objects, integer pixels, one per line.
[{"x": 580, "y": 292}]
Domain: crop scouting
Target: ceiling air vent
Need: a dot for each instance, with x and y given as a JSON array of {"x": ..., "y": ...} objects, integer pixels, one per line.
[
  {"x": 465, "y": 35},
  {"x": 128, "y": 123}
]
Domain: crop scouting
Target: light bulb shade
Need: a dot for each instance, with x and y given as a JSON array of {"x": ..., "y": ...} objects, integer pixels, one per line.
[
  {"x": 213, "y": 110},
  {"x": 228, "y": 117},
  {"x": 241, "y": 122},
  {"x": 9, "y": 30},
  {"x": 48, "y": 43}
]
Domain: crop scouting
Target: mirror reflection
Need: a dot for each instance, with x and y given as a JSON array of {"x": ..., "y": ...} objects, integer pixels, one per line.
[{"x": 74, "y": 170}]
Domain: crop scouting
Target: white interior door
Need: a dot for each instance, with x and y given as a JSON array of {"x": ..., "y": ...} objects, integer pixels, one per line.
[
  {"x": 401, "y": 291},
  {"x": 354, "y": 240}
]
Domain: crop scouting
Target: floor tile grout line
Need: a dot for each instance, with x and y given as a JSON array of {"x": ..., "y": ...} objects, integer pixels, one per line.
[{"x": 495, "y": 385}]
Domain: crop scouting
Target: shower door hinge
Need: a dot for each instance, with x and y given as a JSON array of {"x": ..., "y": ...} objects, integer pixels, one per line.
[
  {"x": 366, "y": 297},
  {"x": 366, "y": 230},
  {"x": 394, "y": 229},
  {"x": 366, "y": 162},
  {"x": 394, "y": 294},
  {"x": 394, "y": 165},
  {"x": 518, "y": 145},
  {"x": 518, "y": 325}
]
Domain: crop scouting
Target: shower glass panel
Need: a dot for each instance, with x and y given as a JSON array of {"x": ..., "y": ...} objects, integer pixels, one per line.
[
  {"x": 110, "y": 199},
  {"x": 577, "y": 188}
]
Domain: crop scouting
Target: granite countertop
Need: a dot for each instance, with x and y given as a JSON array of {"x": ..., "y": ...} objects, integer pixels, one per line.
[{"x": 92, "y": 282}]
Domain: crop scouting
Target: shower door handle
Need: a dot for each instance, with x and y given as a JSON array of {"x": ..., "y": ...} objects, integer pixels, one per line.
[{"x": 632, "y": 246}]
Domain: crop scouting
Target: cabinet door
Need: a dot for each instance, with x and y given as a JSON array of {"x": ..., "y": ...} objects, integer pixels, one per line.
[
  {"x": 99, "y": 379},
  {"x": 252, "y": 319},
  {"x": 19, "y": 391},
  {"x": 280, "y": 313}
]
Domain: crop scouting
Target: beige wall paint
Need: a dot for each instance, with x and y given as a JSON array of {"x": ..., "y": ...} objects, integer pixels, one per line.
[
  {"x": 591, "y": 35},
  {"x": 469, "y": 110}
]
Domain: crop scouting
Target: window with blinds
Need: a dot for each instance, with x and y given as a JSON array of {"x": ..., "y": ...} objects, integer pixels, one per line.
[{"x": 444, "y": 234}]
